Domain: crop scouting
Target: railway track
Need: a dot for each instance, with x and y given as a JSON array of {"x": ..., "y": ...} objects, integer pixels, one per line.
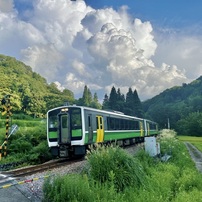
[
  {"x": 26, "y": 171},
  {"x": 21, "y": 172}
]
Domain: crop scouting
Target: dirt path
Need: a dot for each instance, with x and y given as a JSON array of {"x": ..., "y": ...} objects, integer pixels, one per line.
[{"x": 196, "y": 155}]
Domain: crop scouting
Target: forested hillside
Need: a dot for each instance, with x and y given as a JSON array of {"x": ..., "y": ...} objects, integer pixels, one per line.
[
  {"x": 30, "y": 93},
  {"x": 181, "y": 106}
]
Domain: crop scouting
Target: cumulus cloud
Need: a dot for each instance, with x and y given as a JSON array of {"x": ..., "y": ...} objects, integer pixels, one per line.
[
  {"x": 75, "y": 45},
  {"x": 6, "y": 5}
]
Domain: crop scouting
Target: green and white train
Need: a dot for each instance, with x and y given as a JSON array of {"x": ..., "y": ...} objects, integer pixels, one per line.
[{"x": 71, "y": 129}]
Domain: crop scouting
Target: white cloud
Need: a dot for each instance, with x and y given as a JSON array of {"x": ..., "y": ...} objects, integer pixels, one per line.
[
  {"x": 75, "y": 45},
  {"x": 6, "y": 5}
]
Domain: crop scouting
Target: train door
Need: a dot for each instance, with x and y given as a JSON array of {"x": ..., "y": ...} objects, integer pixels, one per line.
[
  {"x": 100, "y": 129},
  {"x": 64, "y": 131},
  {"x": 141, "y": 129}
]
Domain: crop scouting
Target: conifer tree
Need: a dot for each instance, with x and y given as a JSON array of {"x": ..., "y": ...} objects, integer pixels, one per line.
[
  {"x": 105, "y": 104},
  {"x": 113, "y": 99},
  {"x": 120, "y": 101},
  {"x": 87, "y": 97},
  {"x": 138, "y": 110},
  {"x": 95, "y": 103},
  {"x": 129, "y": 104}
]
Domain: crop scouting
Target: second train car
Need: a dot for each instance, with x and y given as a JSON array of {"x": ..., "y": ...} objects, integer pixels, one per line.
[{"x": 71, "y": 129}]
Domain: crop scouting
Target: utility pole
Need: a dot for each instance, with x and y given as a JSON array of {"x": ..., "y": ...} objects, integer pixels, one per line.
[{"x": 168, "y": 123}]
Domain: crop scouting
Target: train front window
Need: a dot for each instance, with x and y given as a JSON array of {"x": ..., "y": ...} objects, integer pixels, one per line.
[{"x": 53, "y": 120}]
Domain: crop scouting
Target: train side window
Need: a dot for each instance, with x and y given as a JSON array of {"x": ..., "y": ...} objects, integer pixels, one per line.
[
  {"x": 122, "y": 124},
  {"x": 97, "y": 125},
  {"x": 100, "y": 122},
  {"x": 112, "y": 123},
  {"x": 136, "y": 125},
  {"x": 130, "y": 125},
  {"x": 108, "y": 123},
  {"x": 89, "y": 120}
]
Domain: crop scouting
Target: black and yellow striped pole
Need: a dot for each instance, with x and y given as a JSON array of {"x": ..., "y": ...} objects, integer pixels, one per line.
[{"x": 7, "y": 107}]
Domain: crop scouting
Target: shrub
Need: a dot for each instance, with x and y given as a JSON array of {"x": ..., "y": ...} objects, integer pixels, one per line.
[
  {"x": 115, "y": 165},
  {"x": 68, "y": 188},
  {"x": 189, "y": 196}
]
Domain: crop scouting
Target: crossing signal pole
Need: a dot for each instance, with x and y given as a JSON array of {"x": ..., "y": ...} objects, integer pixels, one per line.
[{"x": 6, "y": 109}]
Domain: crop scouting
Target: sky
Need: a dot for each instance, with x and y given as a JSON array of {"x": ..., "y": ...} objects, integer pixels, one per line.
[{"x": 148, "y": 45}]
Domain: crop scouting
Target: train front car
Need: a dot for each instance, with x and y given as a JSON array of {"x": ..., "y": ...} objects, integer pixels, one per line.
[{"x": 64, "y": 131}]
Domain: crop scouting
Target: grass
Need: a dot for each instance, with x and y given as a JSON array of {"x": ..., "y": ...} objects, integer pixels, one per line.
[
  {"x": 113, "y": 175},
  {"x": 196, "y": 141}
]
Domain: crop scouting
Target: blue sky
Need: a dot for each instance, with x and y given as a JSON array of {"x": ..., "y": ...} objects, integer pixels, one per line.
[
  {"x": 149, "y": 46},
  {"x": 170, "y": 13}
]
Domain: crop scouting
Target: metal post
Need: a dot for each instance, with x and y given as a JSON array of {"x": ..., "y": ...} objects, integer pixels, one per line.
[
  {"x": 7, "y": 107},
  {"x": 0, "y": 152}
]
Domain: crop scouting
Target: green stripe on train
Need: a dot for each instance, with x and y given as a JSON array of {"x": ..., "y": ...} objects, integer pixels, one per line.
[{"x": 109, "y": 136}]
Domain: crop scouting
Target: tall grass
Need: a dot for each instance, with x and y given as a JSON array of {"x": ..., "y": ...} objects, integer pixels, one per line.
[
  {"x": 112, "y": 174},
  {"x": 115, "y": 165}
]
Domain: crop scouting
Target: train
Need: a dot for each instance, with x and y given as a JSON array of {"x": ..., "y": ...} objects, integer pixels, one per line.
[{"x": 72, "y": 129}]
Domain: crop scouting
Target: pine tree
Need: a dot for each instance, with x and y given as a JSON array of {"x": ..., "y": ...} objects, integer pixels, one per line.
[
  {"x": 113, "y": 99},
  {"x": 120, "y": 101},
  {"x": 87, "y": 97},
  {"x": 138, "y": 110},
  {"x": 95, "y": 103},
  {"x": 105, "y": 104},
  {"x": 129, "y": 104}
]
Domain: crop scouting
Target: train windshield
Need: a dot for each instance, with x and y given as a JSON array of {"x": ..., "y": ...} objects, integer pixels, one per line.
[{"x": 65, "y": 125}]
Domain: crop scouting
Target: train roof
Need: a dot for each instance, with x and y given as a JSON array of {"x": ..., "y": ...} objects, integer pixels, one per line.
[{"x": 111, "y": 112}]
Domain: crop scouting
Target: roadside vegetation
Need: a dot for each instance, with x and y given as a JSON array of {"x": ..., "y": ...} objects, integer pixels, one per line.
[
  {"x": 28, "y": 145},
  {"x": 112, "y": 174}
]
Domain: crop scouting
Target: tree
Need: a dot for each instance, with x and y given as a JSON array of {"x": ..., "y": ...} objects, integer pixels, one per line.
[
  {"x": 191, "y": 125},
  {"x": 129, "y": 104},
  {"x": 105, "y": 104},
  {"x": 120, "y": 101},
  {"x": 87, "y": 97},
  {"x": 113, "y": 99},
  {"x": 95, "y": 103},
  {"x": 138, "y": 110}
]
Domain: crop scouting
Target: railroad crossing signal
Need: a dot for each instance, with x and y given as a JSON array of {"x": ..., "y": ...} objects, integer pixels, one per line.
[{"x": 6, "y": 110}]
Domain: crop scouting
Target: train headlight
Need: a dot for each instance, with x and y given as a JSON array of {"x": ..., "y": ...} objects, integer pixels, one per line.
[{"x": 64, "y": 109}]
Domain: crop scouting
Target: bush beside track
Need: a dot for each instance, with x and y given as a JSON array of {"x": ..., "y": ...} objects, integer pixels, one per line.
[
  {"x": 28, "y": 144},
  {"x": 114, "y": 175}
]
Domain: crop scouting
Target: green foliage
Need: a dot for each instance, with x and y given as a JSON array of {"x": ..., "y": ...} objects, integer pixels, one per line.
[
  {"x": 130, "y": 106},
  {"x": 74, "y": 187},
  {"x": 177, "y": 104},
  {"x": 190, "y": 125},
  {"x": 71, "y": 188},
  {"x": 108, "y": 168},
  {"x": 87, "y": 99},
  {"x": 30, "y": 93},
  {"x": 194, "y": 195},
  {"x": 114, "y": 164},
  {"x": 29, "y": 144}
]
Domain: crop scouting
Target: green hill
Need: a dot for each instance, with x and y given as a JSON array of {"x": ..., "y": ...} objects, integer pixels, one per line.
[
  {"x": 175, "y": 104},
  {"x": 30, "y": 92}
]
